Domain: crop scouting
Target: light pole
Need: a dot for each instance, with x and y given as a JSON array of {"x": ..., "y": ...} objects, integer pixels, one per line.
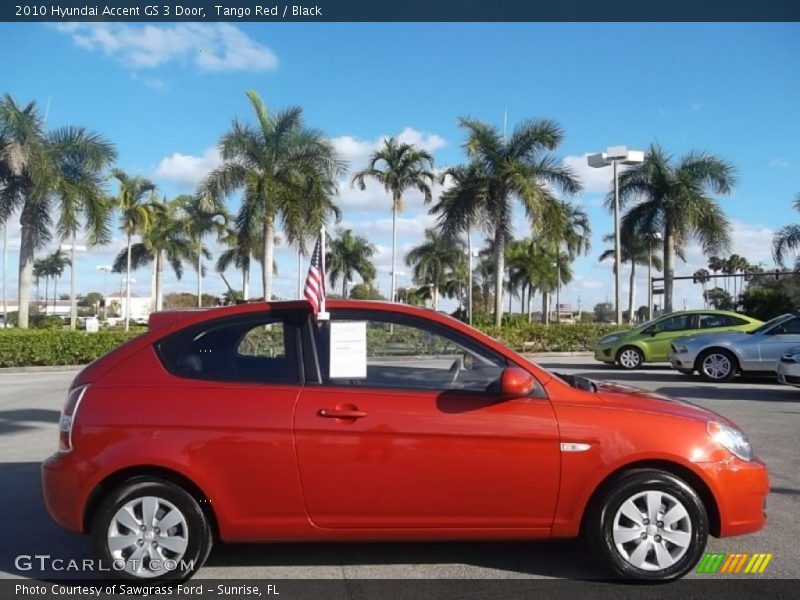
[
  {"x": 614, "y": 156},
  {"x": 73, "y": 303},
  {"x": 106, "y": 269}
]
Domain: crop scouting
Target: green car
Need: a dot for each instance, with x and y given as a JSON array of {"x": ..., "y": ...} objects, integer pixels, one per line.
[{"x": 650, "y": 342}]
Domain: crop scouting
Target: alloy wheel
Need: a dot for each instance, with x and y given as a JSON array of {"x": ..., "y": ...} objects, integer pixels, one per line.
[{"x": 717, "y": 366}]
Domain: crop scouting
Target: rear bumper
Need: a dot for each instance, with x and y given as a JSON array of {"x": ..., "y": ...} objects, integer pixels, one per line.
[
  {"x": 65, "y": 485},
  {"x": 740, "y": 489}
]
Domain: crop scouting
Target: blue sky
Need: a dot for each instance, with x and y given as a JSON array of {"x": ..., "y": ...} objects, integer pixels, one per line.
[{"x": 165, "y": 93}]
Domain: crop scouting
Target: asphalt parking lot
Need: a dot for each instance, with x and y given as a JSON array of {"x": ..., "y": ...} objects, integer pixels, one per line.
[{"x": 769, "y": 413}]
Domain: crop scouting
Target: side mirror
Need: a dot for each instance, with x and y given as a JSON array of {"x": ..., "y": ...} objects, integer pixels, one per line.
[{"x": 514, "y": 382}]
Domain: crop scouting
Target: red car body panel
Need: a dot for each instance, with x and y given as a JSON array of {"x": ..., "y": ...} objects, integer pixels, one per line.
[{"x": 421, "y": 464}]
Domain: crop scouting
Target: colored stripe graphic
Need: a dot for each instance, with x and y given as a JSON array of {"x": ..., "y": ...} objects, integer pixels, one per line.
[{"x": 737, "y": 562}]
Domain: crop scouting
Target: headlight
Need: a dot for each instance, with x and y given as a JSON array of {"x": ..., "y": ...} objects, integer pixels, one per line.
[
  {"x": 610, "y": 339},
  {"x": 793, "y": 354},
  {"x": 733, "y": 440},
  {"x": 679, "y": 348}
]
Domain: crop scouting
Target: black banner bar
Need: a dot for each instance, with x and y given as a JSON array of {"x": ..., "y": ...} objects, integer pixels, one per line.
[{"x": 400, "y": 10}]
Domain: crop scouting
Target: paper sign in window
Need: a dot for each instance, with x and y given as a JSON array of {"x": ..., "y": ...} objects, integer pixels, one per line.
[{"x": 348, "y": 350}]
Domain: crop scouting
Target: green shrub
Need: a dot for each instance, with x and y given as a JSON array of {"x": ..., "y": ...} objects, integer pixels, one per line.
[
  {"x": 536, "y": 337},
  {"x": 22, "y": 348}
]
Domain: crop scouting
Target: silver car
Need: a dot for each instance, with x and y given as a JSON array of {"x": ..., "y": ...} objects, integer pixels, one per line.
[
  {"x": 719, "y": 356},
  {"x": 788, "y": 367}
]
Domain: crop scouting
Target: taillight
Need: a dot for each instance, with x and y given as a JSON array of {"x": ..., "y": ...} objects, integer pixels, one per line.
[{"x": 68, "y": 417}]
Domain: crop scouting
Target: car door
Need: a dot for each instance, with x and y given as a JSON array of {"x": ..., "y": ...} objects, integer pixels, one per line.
[
  {"x": 663, "y": 332},
  {"x": 776, "y": 341},
  {"x": 424, "y": 440}
]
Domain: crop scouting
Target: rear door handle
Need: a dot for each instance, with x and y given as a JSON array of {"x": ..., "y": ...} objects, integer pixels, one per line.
[{"x": 335, "y": 413}]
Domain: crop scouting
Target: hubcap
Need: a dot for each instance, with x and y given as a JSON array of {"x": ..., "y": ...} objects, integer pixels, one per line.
[
  {"x": 652, "y": 530},
  {"x": 147, "y": 534},
  {"x": 717, "y": 366},
  {"x": 629, "y": 359}
]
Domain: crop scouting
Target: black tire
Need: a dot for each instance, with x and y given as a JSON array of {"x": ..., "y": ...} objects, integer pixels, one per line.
[
  {"x": 599, "y": 526},
  {"x": 630, "y": 358},
  {"x": 195, "y": 529},
  {"x": 718, "y": 358},
  {"x": 687, "y": 372}
]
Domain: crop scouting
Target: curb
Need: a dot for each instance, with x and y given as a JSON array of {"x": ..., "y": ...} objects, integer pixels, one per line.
[{"x": 40, "y": 369}]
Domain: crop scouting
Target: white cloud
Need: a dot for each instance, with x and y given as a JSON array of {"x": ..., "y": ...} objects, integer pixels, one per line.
[
  {"x": 186, "y": 168},
  {"x": 210, "y": 47},
  {"x": 593, "y": 180},
  {"x": 357, "y": 151},
  {"x": 780, "y": 162}
]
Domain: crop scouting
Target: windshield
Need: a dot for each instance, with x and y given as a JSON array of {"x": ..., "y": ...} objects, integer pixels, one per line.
[{"x": 769, "y": 324}]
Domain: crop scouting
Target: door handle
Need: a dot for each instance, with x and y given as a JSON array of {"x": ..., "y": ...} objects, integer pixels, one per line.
[{"x": 335, "y": 413}]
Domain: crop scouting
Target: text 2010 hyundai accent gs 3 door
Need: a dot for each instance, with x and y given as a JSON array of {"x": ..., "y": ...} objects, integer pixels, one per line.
[{"x": 256, "y": 423}]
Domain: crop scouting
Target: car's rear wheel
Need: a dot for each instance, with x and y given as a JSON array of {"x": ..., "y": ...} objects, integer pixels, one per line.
[
  {"x": 716, "y": 365},
  {"x": 630, "y": 357},
  {"x": 648, "y": 525},
  {"x": 151, "y": 529}
]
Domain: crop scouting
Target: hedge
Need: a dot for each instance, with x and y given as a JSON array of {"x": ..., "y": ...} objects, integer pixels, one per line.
[
  {"x": 20, "y": 348},
  {"x": 31, "y": 347}
]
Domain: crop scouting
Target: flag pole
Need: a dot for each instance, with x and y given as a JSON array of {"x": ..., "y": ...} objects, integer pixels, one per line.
[{"x": 322, "y": 315}]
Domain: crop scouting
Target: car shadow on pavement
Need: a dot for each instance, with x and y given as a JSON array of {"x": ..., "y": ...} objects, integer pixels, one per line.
[
  {"x": 562, "y": 558},
  {"x": 27, "y": 528},
  {"x": 772, "y": 393},
  {"x": 21, "y": 419}
]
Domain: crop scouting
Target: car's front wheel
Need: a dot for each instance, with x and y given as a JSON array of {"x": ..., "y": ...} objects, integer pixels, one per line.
[
  {"x": 649, "y": 524},
  {"x": 630, "y": 357},
  {"x": 151, "y": 529},
  {"x": 716, "y": 365}
]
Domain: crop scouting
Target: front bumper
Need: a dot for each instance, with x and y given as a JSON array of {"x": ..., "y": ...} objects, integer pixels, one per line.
[
  {"x": 788, "y": 373},
  {"x": 604, "y": 354},
  {"x": 740, "y": 489},
  {"x": 682, "y": 360}
]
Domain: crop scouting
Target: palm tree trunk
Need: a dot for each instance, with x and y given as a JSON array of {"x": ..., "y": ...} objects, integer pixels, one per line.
[
  {"x": 435, "y": 297},
  {"x": 632, "y": 292},
  {"x": 546, "y": 308},
  {"x": 669, "y": 268},
  {"x": 395, "y": 202},
  {"x": 26, "y": 259},
  {"x": 55, "y": 293},
  {"x": 558, "y": 294},
  {"x": 510, "y": 296},
  {"x": 344, "y": 287},
  {"x": 269, "y": 252},
  {"x": 530, "y": 303},
  {"x": 128, "y": 288},
  {"x": 199, "y": 276},
  {"x": 499, "y": 272},
  {"x": 246, "y": 282},
  {"x": 153, "y": 275},
  {"x": 299, "y": 273},
  {"x": 46, "y": 292},
  {"x": 73, "y": 305},
  {"x": 5, "y": 275},
  {"x": 159, "y": 272}
]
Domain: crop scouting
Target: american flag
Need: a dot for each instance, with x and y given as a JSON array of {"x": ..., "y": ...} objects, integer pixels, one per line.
[{"x": 315, "y": 281}]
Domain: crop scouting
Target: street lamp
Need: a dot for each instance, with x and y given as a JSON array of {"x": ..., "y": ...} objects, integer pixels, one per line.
[
  {"x": 73, "y": 305},
  {"x": 614, "y": 156},
  {"x": 106, "y": 269}
]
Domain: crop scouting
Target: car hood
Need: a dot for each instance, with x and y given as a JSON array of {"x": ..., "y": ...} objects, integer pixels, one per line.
[{"x": 635, "y": 399}]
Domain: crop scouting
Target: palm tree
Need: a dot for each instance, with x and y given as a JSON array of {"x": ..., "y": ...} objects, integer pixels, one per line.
[
  {"x": 201, "y": 218},
  {"x": 43, "y": 168},
  {"x": 403, "y": 167},
  {"x": 437, "y": 259},
  {"x": 716, "y": 264},
  {"x": 676, "y": 199},
  {"x": 242, "y": 248},
  {"x": 275, "y": 163},
  {"x": 165, "y": 239},
  {"x": 133, "y": 201},
  {"x": 55, "y": 264},
  {"x": 637, "y": 250},
  {"x": 467, "y": 183},
  {"x": 41, "y": 271},
  {"x": 347, "y": 255},
  {"x": 532, "y": 268},
  {"x": 733, "y": 266},
  {"x": 515, "y": 167},
  {"x": 787, "y": 238},
  {"x": 702, "y": 276}
]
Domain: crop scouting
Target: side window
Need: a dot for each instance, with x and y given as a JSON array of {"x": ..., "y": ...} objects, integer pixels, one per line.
[
  {"x": 414, "y": 355},
  {"x": 710, "y": 321},
  {"x": 258, "y": 349},
  {"x": 676, "y": 323},
  {"x": 790, "y": 327}
]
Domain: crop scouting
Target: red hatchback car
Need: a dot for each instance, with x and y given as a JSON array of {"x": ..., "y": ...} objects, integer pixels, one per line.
[{"x": 255, "y": 423}]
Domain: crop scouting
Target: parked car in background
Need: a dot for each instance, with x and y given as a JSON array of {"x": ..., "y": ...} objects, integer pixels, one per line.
[
  {"x": 256, "y": 423},
  {"x": 788, "y": 367},
  {"x": 650, "y": 342},
  {"x": 718, "y": 357}
]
